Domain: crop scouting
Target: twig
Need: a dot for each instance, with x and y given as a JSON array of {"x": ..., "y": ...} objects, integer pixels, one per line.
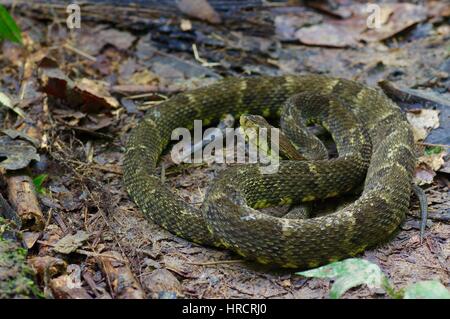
[
  {"x": 217, "y": 262},
  {"x": 85, "y": 252},
  {"x": 142, "y": 89},
  {"x": 79, "y": 52},
  {"x": 88, "y": 278},
  {"x": 202, "y": 61}
]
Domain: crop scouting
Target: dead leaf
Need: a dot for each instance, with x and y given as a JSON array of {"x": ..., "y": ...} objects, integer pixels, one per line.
[
  {"x": 327, "y": 35},
  {"x": 401, "y": 16},
  {"x": 422, "y": 121},
  {"x": 30, "y": 238},
  {"x": 423, "y": 175},
  {"x": 18, "y": 154},
  {"x": 7, "y": 102},
  {"x": 86, "y": 95},
  {"x": 47, "y": 267},
  {"x": 408, "y": 98},
  {"x": 331, "y": 7},
  {"x": 162, "y": 281},
  {"x": 199, "y": 9},
  {"x": 120, "y": 39},
  {"x": 99, "y": 89},
  {"x": 70, "y": 243},
  {"x": 287, "y": 24},
  {"x": 14, "y": 134},
  {"x": 143, "y": 77},
  {"x": 98, "y": 122},
  {"x": 69, "y": 286},
  {"x": 69, "y": 116},
  {"x": 433, "y": 161}
]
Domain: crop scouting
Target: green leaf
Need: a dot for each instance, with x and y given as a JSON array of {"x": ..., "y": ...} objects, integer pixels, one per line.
[
  {"x": 350, "y": 273},
  {"x": 431, "y": 289},
  {"x": 38, "y": 181},
  {"x": 433, "y": 150},
  {"x": 8, "y": 28}
]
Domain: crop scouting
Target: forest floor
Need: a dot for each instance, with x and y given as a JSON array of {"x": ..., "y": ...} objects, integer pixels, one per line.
[{"x": 88, "y": 239}]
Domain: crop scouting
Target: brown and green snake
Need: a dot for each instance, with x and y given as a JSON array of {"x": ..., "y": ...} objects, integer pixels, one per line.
[{"x": 375, "y": 147}]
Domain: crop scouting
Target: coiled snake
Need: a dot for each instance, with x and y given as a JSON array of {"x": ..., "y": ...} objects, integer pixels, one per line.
[{"x": 375, "y": 148}]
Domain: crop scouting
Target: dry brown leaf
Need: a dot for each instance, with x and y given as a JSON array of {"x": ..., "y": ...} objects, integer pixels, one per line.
[
  {"x": 71, "y": 243},
  {"x": 423, "y": 175},
  {"x": 18, "y": 154},
  {"x": 47, "y": 267},
  {"x": 99, "y": 89},
  {"x": 397, "y": 17},
  {"x": 143, "y": 77},
  {"x": 120, "y": 39},
  {"x": 87, "y": 95},
  {"x": 327, "y": 35},
  {"x": 287, "y": 24},
  {"x": 422, "y": 121},
  {"x": 69, "y": 286},
  {"x": 162, "y": 281},
  {"x": 30, "y": 238},
  {"x": 199, "y": 9},
  {"x": 433, "y": 161}
]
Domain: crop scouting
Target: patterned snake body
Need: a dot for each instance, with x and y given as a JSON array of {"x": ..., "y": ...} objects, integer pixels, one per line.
[{"x": 228, "y": 216}]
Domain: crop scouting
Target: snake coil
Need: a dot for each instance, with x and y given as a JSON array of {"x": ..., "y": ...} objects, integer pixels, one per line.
[{"x": 228, "y": 216}]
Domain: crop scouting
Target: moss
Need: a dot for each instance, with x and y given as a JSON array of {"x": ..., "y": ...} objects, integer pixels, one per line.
[{"x": 16, "y": 277}]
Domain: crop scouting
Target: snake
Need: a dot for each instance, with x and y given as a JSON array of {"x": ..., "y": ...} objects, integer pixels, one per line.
[{"x": 375, "y": 150}]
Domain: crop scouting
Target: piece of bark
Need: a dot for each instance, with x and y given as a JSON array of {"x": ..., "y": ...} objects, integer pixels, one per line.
[
  {"x": 121, "y": 279},
  {"x": 22, "y": 196}
]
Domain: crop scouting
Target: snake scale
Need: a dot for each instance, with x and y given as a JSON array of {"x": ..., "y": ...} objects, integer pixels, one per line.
[{"x": 229, "y": 218}]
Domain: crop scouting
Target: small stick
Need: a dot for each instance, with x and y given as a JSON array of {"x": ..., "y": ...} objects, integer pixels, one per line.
[
  {"x": 90, "y": 281},
  {"x": 217, "y": 262},
  {"x": 140, "y": 96},
  {"x": 201, "y": 60},
  {"x": 226, "y": 122},
  {"x": 79, "y": 52},
  {"x": 85, "y": 252}
]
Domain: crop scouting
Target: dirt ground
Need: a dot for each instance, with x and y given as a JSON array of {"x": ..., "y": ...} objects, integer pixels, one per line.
[{"x": 140, "y": 56}]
